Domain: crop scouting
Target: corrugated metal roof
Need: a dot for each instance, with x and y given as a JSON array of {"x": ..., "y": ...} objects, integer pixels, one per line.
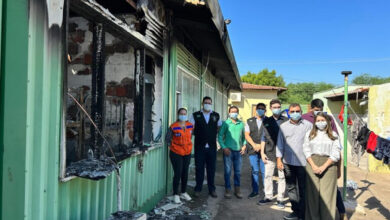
[{"x": 261, "y": 87}]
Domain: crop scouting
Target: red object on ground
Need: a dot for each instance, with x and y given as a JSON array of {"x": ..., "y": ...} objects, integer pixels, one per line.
[
  {"x": 371, "y": 143},
  {"x": 341, "y": 116}
]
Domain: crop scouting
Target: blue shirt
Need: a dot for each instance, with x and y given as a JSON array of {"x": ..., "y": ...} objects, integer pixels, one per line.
[{"x": 290, "y": 142}]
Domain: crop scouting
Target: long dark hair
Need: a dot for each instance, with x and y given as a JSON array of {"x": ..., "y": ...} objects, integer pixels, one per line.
[{"x": 328, "y": 129}]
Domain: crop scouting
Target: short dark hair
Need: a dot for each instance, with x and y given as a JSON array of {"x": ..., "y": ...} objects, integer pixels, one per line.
[
  {"x": 317, "y": 103},
  {"x": 207, "y": 98},
  {"x": 274, "y": 101},
  {"x": 261, "y": 105},
  {"x": 294, "y": 105},
  {"x": 178, "y": 111},
  {"x": 233, "y": 106}
]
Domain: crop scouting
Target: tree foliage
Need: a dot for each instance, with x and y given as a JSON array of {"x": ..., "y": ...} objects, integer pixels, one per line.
[
  {"x": 264, "y": 77},
  {"x": 367, "y": 79},
  {"x": 303, "y": 92}
]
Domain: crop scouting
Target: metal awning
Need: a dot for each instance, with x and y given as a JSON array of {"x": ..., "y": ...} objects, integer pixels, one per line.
[
  {"x": 352, "y": 95},
  {"x": 206, "y": 27},
  {"x": 95, "y": 11}
]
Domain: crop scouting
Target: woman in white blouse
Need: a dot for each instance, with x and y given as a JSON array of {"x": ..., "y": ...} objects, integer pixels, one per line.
[{"x": 322, "y": 151}]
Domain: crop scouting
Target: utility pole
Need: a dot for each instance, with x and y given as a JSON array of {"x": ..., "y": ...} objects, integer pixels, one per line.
[{"x": 345, "y": 123}]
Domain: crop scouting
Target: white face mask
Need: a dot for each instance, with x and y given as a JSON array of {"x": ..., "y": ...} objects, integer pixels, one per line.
[
  {"x": 207, "y": 107},
  {"x": 233, "y": 115},
  {"x": 321, "y": 125}
]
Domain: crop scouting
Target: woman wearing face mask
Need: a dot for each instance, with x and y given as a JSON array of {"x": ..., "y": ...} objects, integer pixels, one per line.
[
  {"x": 322, "y": 151},
  {"x": 179, "y": 141}
]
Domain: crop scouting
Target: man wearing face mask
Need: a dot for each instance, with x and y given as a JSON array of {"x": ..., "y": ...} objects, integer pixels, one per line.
[
  {"x": 206, "y": 124},
  {"x": 268, "y": 154},
  {"x": 317, "y": 105},
  {"x": 291, "y": 159},
  {"x": 231, "y": 137},
  {"x": 253, "y": 132}
]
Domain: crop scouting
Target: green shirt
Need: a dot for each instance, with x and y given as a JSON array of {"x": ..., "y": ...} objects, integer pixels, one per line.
[{"x": 232, "y": 135}]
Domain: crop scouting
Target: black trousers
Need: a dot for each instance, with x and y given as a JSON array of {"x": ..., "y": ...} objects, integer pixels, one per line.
[
  {"x": 295, "y": 182},
  {"x": 340, "y": 202},
  {"x": 205, "y": 157},
  {"x": 180, "y": 166}
]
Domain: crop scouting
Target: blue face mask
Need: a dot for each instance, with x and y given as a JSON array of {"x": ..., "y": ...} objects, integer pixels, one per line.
[
  {"x": 276, "y": 111},
  {"x": 233, "y": 115},
  {"x": 260, "y": 112},
  {"x": 295, "y": 116},
  {"x": 182, "y": 117}
]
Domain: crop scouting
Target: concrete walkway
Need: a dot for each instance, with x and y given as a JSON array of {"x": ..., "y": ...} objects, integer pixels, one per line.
[
  {"x": 235, "y": 208},
  {"x": 370, "y": 201}
]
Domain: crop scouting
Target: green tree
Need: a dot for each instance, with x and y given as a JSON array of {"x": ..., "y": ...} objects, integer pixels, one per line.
[
  {"x": 264, "y": 77},
  {"x": 368, "y": 79},
  {"x": 303, "y": 92}
]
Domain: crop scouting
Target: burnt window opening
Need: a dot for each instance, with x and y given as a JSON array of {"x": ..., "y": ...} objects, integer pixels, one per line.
[{"x": 101, "y": 77}]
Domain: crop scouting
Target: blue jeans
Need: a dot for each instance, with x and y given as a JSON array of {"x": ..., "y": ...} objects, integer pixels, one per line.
[
  {"x": 257, "y": 165},
  {"x": 234, "y": 159}
]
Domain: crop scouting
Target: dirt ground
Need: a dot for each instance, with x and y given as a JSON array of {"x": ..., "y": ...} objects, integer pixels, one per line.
[{"x": 370, "y": 201}]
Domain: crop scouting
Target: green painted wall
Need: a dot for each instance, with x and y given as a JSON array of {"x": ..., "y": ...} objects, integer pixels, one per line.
[
  {"x": 1, "y": 104},
  {"x": 31, "y": 91},
  {"x": 14, "y": 80}
]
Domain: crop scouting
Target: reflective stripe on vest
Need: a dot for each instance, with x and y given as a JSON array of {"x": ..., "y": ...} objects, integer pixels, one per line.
[{"x": 181, "y": 140}]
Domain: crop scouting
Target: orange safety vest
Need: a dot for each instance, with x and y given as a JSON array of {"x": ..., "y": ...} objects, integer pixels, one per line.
[{"x": 181, "y": 140}]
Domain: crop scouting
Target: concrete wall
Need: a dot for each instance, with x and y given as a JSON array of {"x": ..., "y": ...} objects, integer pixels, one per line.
[
  {"x": 379, "y": 120},
  {"x": 253, "y": 97}
]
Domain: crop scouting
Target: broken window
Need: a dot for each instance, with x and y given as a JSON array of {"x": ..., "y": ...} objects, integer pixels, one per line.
[
  {"x": 100, "y": 91},
  {"x": 79, "y": 85}
]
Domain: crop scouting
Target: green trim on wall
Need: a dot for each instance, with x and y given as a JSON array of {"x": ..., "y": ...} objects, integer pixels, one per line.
[
  {"x": 13, "y": 106},
  {"x": 1, "y": 111}
]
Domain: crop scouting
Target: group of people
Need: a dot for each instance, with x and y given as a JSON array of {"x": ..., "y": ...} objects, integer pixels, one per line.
[{"x": 303, "y": 148}]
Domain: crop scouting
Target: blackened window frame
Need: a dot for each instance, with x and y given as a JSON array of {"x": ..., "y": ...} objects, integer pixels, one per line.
[{"x": 98, "y": 87}]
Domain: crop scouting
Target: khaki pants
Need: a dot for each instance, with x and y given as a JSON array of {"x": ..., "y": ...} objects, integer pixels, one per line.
[
  {"x": 321, "y": 191},
  {"x": 268, "y": 183}
]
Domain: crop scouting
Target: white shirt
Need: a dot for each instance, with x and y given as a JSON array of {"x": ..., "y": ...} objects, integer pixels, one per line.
[
  {"x": 258, "y": 122},
  {"x": 322, "y": 145},
  {"x": 206, "y": 116}
]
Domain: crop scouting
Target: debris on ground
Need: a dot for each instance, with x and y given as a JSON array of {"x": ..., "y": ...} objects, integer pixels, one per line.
[
  {"x": 128, "y": 215},
  {"x": 352, "y": 185},
  {"x": 352, "y": 206},
  {"x": 93, "y": 169},
  {"x": 167, "y": 210}
]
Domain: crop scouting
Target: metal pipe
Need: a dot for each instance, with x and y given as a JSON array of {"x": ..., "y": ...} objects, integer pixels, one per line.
[{"x": 345, "y": 123}]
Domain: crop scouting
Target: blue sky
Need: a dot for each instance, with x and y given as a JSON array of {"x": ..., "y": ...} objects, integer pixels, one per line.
[{"x": 310, "y": 40}]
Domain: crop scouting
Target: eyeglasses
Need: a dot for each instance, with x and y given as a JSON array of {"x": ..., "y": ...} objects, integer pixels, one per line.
[{"x": 295, "y": 112}]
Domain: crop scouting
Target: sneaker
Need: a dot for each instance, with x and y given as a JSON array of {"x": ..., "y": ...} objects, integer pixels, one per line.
[
  {"x": 237, "y": 192},
  {"x": 291, "y": 216},
  {"x": 213, "y": 194},
  {"x": 280, "y": 205},
  {"x": 264, "y": 202},
  {"x": 176, "y": 199},
  {"x": 185, "y": 196},
  {"x": 228, "y": 194},
  {"x": 253, "y": 195}
]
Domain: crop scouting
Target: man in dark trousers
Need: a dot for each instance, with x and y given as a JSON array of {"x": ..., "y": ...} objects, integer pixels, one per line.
[
  {"x": 291, "y": 159},
  {"x": 206, "y": 124},
  {"x": 317, "y": 105}
]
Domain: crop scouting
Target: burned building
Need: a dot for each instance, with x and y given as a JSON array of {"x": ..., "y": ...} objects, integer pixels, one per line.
[{"x": 89, "y": 88}]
